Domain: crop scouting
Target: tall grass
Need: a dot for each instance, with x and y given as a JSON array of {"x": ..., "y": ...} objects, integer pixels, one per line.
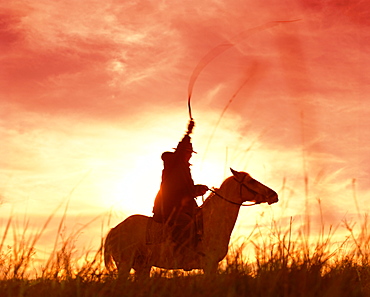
[{"x": 276, "y": 260}]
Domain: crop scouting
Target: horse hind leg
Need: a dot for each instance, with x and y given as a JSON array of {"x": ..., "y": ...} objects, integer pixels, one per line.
[
  {"x": 141, "y": 267},
  {"x": 124, "y": 268}
]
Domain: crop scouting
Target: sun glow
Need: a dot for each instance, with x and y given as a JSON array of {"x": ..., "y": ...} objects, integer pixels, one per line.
[
  {"x": 133, "y": 189},
  {"x": 134, "y": 193}
]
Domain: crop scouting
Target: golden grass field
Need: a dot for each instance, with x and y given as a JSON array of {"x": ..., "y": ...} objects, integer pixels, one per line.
[{"x": 284, "y": 263}]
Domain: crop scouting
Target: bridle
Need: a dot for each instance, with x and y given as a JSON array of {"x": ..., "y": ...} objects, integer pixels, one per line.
[{"x": 241, "y": 183}]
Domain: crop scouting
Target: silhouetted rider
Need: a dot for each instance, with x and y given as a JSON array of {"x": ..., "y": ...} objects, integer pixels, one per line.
[{"x": 174, "y": 203}]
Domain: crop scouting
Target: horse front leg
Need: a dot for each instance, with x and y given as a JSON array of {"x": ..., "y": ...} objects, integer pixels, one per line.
[{"x": 142, "y": 273}]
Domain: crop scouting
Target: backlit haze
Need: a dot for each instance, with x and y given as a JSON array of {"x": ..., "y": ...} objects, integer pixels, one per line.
[{"x": 93, "y": 92}]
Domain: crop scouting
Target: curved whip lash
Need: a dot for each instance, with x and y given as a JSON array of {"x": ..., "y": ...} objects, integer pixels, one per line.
[{"x": 219, "y": 49}]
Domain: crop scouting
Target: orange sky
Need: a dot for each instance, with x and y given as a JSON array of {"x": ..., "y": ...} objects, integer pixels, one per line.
[{"x": 92, "y": 92}]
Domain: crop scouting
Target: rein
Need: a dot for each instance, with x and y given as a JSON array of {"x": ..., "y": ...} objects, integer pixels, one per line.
[{"x": 232, "y": 202}]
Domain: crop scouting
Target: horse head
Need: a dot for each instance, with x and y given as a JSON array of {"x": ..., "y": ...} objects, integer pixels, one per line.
[{"x": 252, "y": 190}]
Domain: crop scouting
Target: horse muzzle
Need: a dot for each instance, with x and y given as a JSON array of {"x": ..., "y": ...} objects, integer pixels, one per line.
[{"x": 273, "y": 198}]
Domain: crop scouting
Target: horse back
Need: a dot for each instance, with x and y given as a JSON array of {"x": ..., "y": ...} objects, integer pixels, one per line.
[
  {"x": 128, "y": 232},
  {"x": 156, "y": 232}
]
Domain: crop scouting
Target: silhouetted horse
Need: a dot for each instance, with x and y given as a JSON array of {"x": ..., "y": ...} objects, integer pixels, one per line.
[{"x": 127, "y": 244}]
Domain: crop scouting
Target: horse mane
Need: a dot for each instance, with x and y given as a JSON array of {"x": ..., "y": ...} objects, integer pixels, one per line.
[{"x": 210, "y": 196}]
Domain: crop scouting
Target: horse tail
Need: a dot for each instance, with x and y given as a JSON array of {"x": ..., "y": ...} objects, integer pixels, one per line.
[{"x": 108, "y": 259}]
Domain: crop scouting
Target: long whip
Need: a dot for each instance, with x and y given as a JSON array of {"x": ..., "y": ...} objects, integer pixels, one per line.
[{"x": 219, "y": 49}]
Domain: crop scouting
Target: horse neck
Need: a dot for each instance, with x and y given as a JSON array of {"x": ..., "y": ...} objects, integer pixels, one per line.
[{"x": 220, "y": 215}]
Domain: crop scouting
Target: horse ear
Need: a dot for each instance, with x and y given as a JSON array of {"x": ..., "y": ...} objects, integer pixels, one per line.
[
  {"x": 234, "y": 172},
  {"x": 237, "y": 174}
]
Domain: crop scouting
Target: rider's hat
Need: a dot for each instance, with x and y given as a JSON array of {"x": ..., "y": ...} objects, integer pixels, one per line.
[{"x": 185, "y": 145}]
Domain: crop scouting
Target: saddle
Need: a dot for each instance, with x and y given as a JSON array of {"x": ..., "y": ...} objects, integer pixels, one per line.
[{"x": 157, "y": 233}]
